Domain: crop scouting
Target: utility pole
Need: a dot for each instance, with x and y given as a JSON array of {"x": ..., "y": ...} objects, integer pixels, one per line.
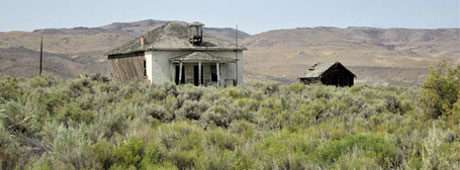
[
  {"x": 236, "y": 55},
  {"x": 41, "y": 56}
]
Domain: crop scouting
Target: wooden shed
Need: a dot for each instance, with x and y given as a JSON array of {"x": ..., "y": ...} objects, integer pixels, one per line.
[{"x": 333, "y": 73}]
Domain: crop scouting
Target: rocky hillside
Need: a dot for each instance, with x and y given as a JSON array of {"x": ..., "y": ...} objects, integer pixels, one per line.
[{"x": 396, "y": 55}]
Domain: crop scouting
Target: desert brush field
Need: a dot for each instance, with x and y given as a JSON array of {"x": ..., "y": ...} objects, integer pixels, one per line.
[{"x": 92, "y": 122}]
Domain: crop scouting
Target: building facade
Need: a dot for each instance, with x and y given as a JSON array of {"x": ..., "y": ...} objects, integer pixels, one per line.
[{"x": 180, "y": 53}]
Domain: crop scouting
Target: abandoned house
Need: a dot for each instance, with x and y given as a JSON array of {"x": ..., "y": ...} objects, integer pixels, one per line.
[
  {"x": 181, "y": 53},
  {"x": 328, "y": 74}
]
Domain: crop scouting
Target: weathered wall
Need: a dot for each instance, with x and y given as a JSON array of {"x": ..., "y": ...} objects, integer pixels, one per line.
[
  {"x": 207, "y": 73},
  {"x": 188, "y": 70},
  {"x": 229, "y": 70},
  {"x": 128, "y": 67},
  {"x": 149, "y": 65},
  {"x": 158, "y": 67},
  {"x": 160, "y": 70}
]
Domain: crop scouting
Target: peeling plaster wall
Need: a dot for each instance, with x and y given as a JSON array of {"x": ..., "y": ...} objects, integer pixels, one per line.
[{"x": 160, "y": 70}]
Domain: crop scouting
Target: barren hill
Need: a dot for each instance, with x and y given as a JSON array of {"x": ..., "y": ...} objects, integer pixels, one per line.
[
  {"x": 397, "y": 53},
  {"x": 22, "y": 62},
  {"x": 376, "y": 55}
]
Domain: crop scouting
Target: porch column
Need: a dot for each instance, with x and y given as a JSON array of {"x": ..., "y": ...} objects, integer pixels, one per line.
[
  {"x": 218, "y": 73},
  {"x": 180, "y": 72},
  {"x": 199, "y": 73}
]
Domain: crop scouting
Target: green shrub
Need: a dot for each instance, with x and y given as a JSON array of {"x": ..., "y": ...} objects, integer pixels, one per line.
[
  {"x": 108, "y": 125},
  {"x": 129, "y": 153},
  {"x": 192, "y": 110},
  {"x": 152, "y": 156},
  {"x": 286, "y": 150},
  {"x": 313, "y": 112},
  {"x": 190, "y": 92},
  {"x": 71, "y": 149},
  {"x": 268, "y": 113},
  {"x": 94, "y": 123},
  {"x": 440, "y": 90},
  {"x": 180, "y": 143},
  {"x": 218, "y": 115},
  {"x": 356, "y": 160},
  {"x": 39, "y": 81},
  {"x": 220, "y": 160},
  {"x": 16, "y": 119},
  {"x": 222, "y": 139},
  {"x": 296, "y": 88},
  {"x": 158, "y": 112},
  {"x": 375, "y": 147},
  {"x": 9, "y": 89},
  {"x": 10, "y": 150},
  {"x": 235, "y": 93},
  {"x": 103, "y": 153},
  {"x": 72, "y": 113},
  {"x": 243, "y": 128},
  {"x": 454, "y": 116}
]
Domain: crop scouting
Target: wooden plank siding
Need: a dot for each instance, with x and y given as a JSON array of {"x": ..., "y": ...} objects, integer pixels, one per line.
[{"x": 128, "y": 68}]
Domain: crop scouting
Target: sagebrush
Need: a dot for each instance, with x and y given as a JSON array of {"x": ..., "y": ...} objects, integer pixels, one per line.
[{"x": 92, "y": 123}]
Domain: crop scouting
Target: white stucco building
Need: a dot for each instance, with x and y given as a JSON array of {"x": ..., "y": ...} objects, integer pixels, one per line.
[{"x": 181, "y": 53}]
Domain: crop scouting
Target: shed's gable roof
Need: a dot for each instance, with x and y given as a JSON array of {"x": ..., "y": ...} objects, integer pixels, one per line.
[
  {"x": 317, "y": 70},
  {"x": 172, "y": 35}
]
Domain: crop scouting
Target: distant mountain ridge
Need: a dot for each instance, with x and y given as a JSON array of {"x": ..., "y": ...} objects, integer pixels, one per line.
[{"x": 279, "y": 55}]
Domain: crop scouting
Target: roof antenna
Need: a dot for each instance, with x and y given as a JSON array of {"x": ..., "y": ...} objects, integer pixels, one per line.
[{"x": 41, "y": 56}]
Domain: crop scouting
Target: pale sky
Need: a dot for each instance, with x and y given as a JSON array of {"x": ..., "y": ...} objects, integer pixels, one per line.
[{"x": 252, "y": 16}]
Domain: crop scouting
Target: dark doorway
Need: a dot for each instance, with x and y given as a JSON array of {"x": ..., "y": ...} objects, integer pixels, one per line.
[
  {"x": 213, "y": 73},
  {"x": 177, "y": 75},
  {"x": 195, "y": 75}
]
